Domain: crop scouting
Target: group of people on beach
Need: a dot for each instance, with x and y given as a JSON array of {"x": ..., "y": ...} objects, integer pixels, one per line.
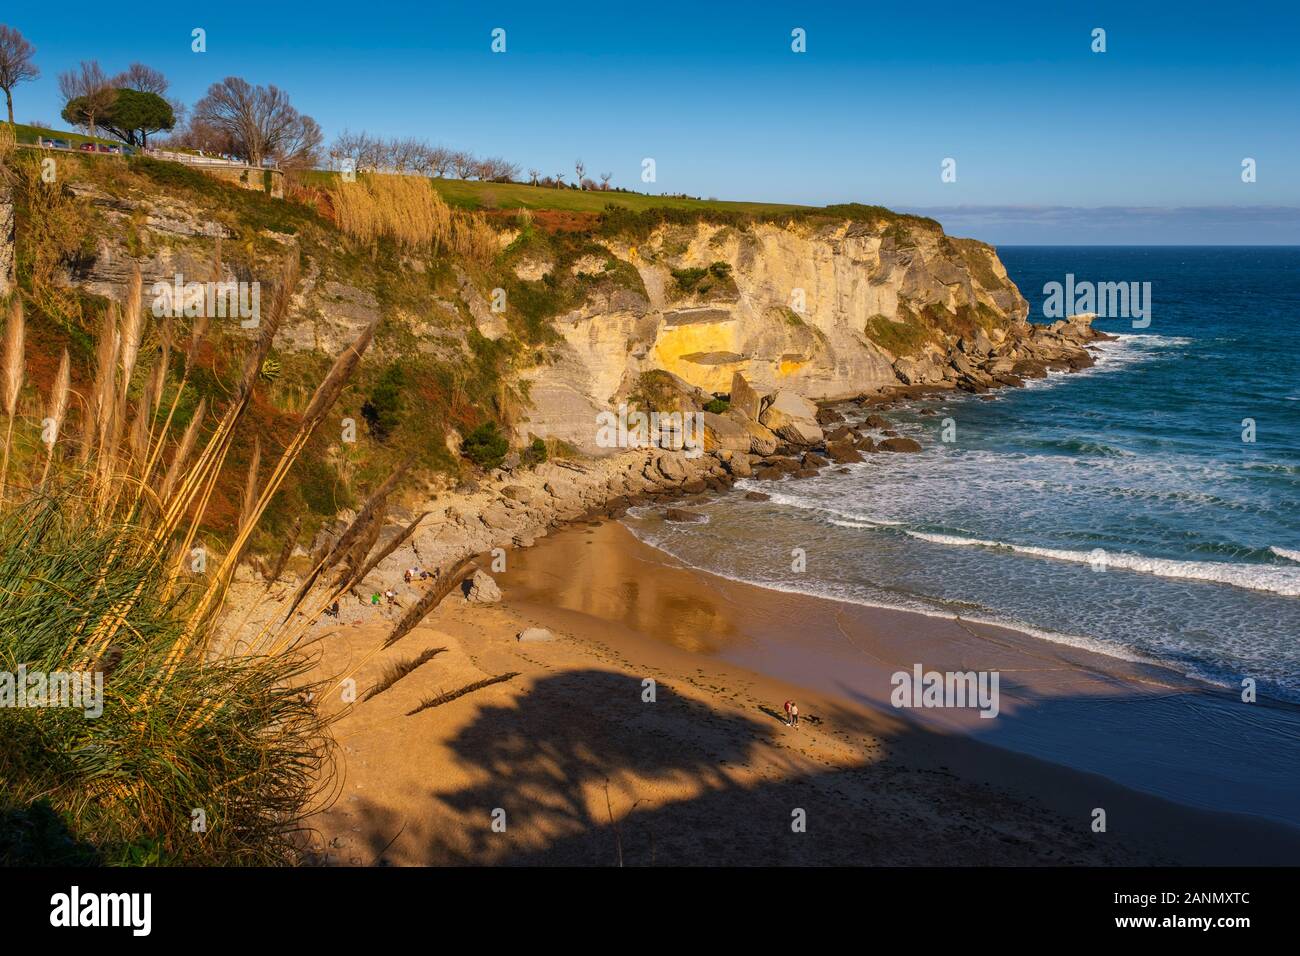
[{"x": 388, "y": 595}]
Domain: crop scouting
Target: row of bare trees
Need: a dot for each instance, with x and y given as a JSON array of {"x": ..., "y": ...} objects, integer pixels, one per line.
[
  {"x": 363, "y": 152},
  {"x": 535, "y": 178},
  {"x": 366, "y": 153}
]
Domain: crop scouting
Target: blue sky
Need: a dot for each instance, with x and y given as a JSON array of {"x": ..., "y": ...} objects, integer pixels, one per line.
[{"x": 1053, "y": 143}]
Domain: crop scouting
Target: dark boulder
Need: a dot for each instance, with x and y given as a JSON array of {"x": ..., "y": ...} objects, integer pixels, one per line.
[{"x": 900, "y": 444}]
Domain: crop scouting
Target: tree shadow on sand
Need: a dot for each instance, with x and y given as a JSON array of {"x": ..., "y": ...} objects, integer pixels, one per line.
[{"x": 553, "y": 758}]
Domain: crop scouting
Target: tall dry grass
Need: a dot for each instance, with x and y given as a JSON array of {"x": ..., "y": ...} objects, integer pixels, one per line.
[
  {"x": 409, "y": 211},
  {"x": 405, "y": 209},
  {"x": 92, "y": 580}
]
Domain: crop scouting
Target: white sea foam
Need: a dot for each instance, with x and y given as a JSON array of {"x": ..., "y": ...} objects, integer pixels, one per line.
[
  {"x": 1284, "y": 581},
  {"x": 1287, "y": 553},
  {"x": 809, "y": 504}
]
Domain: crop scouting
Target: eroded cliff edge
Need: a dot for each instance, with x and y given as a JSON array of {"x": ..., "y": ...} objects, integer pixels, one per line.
[{"x": 829, "y": 309}]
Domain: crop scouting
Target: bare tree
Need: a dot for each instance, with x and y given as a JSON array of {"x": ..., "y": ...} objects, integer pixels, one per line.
[
  {"x": 403, "y": 155},
  {"x": 497, "y": 170},
  {"x": 88, "y": 94},
  {"x": 201, "y": 136},
  {"x": 604, "y": 180},
  {"x": 16, "y": 64},
  {"x": 260, "y": 122},
  {"x": 463, "y": 164},
  {"x": 440, "y": 160},
  {"x": 299, "y": 146},
  {"x": 580, "y": 168},
  {"x": 533, "y": 176},
  {"x": 143, "y": 78}
]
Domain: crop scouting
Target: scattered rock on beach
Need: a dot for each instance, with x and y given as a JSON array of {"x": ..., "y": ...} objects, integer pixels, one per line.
[
  {"x": 481, "y": 588},
  {"x": 532, "y": 635},
  {"x": 756, "y": 496},
  {"x": 682, "y": 515}
]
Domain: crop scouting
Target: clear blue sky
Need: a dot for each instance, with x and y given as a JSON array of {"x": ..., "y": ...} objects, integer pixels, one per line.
[{"x": 1043, "y": 130}]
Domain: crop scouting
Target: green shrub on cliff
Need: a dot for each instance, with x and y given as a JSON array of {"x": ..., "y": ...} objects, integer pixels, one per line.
[
  {"x": 901, "y": 338},
  {"x": 535, "y": 453},
  {"x": 485, "y": 446},
  {"x": 383, "y": 409}
]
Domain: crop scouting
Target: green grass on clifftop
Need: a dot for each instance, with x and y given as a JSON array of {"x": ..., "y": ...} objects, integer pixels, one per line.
[{"x": 33, "y": 134}]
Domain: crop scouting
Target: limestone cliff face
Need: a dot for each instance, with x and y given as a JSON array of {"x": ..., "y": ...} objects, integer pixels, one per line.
[
  {"x": 824, "y": 311},
  {"x": 824, "y": 307}
]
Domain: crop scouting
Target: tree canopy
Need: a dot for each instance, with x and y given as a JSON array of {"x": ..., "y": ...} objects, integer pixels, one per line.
[{"x": 131, "y": 116}]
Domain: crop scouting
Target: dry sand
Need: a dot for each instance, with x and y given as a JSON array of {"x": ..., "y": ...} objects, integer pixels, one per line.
[{"x": 582, "y": 769}]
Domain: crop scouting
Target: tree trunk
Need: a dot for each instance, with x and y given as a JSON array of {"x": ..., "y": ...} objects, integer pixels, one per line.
[{"x": 9, "y": 101}]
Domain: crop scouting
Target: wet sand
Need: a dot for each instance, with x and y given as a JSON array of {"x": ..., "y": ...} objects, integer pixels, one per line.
[{"x": 572, "y": 762}]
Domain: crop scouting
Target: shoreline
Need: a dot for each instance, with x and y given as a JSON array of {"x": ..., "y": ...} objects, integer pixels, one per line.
[
  {"x": 1048, "y": 689},
  {"x": 585, "y": 770}
]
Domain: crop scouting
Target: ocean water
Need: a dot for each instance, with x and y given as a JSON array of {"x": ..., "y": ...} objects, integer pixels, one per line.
[{"x": 1118, "y": 508}]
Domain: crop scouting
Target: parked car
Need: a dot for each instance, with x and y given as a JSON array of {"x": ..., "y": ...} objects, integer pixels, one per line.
[
  {"x": 87, "y": 147},
  {"x": 60, "y": 144}
]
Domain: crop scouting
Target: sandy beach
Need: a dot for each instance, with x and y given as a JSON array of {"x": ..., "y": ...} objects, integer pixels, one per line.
[{"x": 580, "y": 760}]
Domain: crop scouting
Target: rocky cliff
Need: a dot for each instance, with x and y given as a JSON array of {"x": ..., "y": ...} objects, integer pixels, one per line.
[
  {"x": 664, "y": 311},
  {"x": 828, "y": 310}
]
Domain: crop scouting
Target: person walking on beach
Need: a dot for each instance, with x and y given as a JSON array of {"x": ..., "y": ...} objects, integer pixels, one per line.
[
  {"x": 786, "y": 706},
  {"x": 794, "y": 714}
]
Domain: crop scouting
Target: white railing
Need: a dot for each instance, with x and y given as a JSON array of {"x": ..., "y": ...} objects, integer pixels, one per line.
[{"x": 193, "y": 159}]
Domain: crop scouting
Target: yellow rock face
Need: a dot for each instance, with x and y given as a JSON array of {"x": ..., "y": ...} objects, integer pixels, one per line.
[
  {"x": 789, "y": 366},
  {"x": 698, "y": 340}
]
